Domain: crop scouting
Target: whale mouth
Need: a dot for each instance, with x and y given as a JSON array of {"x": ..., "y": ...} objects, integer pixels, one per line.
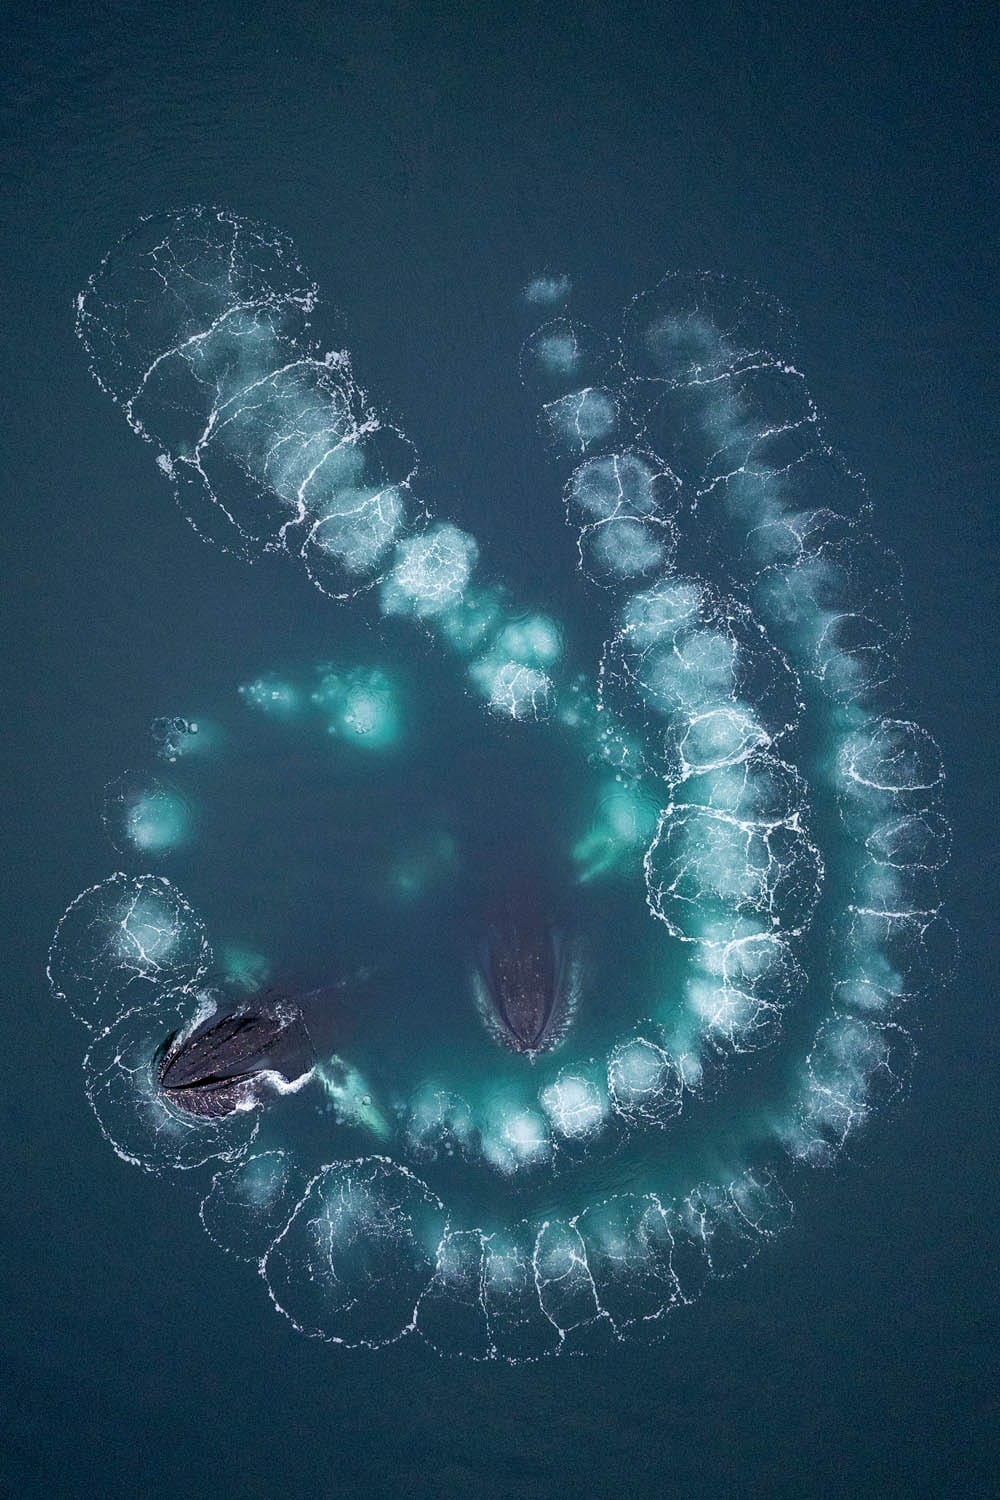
[
  {"x": 523, "y": 988},
  {"x": 233, "y": 1061}
]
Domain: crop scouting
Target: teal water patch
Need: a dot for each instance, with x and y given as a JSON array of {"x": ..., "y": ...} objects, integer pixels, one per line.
[{"x": 597, "y": 957}]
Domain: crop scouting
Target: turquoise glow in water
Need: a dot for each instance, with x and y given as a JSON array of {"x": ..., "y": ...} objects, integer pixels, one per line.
[{"x": 696, "y": 814}]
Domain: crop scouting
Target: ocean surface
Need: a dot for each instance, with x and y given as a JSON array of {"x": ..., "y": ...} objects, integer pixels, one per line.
[{"x": 427, "y": 162}]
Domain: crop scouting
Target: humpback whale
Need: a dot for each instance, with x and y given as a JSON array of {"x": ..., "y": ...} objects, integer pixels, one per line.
[
  {"x": 232, "y": 1061},
  {"x": 524, "y": 973}
]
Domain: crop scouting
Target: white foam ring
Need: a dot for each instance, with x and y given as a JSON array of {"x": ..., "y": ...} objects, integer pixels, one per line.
[
  {"x": 753, "y": 626},
  {"x": 134, "y": 1115},
  {"x": 121, "y": 943}
]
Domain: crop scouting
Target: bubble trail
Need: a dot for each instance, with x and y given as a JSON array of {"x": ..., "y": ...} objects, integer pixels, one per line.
[
  {"x": 765, "y": 802},
  {"x": 198, "y": 326}
]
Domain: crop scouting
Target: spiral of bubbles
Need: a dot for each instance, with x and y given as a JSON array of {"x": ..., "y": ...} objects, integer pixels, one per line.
[{"x": 754, "y": 780}]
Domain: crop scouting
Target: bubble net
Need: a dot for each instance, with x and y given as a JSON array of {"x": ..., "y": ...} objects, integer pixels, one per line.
[{"x": 761, "y": 796}]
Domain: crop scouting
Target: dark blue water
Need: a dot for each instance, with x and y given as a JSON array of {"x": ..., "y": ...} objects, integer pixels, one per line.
[{"x": 426, "y": 162}]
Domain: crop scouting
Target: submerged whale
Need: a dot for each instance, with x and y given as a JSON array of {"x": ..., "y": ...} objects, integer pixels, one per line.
[
  {"x": 524, "y": 973},
  {"x": 235, "y": 1060}
]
